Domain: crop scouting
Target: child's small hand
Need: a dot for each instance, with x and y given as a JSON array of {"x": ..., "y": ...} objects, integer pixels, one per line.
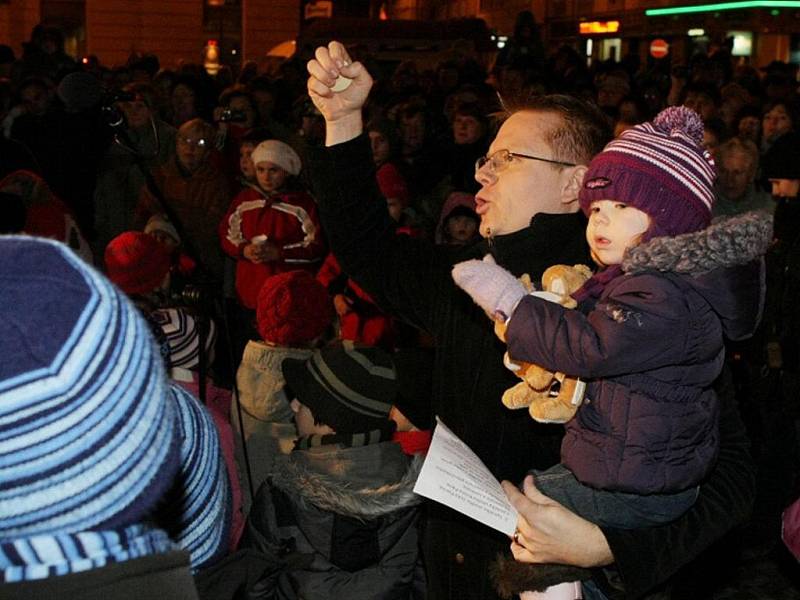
[
  {"x": 342, "y": 305},
  {"x": 252, "y": 252},
  {"x": 261, "y": 253},
  {"x": 492, "y": 288}
]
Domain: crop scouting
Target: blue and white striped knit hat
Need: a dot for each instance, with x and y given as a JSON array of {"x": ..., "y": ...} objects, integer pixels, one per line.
[
  {"x": 87, "y": 435},
  {"x": 196, "y": 512},
  {"x": 660, "y": 168}
]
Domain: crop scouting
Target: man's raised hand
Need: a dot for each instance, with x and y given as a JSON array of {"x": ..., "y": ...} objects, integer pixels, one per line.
[{"x": 341, "y": 109}]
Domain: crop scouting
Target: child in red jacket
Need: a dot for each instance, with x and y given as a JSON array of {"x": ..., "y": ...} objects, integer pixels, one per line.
[{"x": 271, "y": 228}]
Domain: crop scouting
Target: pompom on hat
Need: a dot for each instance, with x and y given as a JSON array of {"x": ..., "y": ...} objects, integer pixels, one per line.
[
  {"x": 659, "y": 168},
  {"x": 137, "y": 262},
  {"x": 392, "y": 184},
  {"x": 88, "y": 438},
  {"x": 293, "y": 309},
  {"x": 278, "y": 153}
]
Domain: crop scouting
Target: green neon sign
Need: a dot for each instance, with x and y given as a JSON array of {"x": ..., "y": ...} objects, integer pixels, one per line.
[{"x": 700, "y": 8}]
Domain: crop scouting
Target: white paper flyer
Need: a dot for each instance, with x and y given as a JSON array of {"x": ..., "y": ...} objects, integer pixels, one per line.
[{"x": 453, "y": 475}]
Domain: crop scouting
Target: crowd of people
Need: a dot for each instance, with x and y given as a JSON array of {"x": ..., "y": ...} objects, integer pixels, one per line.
[{"x": 222, "y": 377}]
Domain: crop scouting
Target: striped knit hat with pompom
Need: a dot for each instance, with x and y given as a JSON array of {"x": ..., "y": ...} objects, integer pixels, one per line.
[
  {"x": 87, "y": 435},
  {"x": 660, "y": 168}
]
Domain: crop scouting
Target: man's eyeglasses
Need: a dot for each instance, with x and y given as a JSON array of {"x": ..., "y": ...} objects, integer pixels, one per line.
[
  {"x": 502, "y": 158},
  {"x": 200, "y": 143}
]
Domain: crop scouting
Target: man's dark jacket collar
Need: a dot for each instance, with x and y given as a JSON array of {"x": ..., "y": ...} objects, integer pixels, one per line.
[{"x": 544, "y": 240}]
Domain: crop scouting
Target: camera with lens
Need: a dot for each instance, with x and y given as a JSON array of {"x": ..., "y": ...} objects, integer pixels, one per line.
[
  {"x": 108, "y": 107},
  {"x": 192, "y": 295},
  {"x": 232, "y": 116}
]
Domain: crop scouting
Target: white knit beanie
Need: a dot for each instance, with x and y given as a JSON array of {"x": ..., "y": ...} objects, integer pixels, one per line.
[{"x": 278, "y": 153}]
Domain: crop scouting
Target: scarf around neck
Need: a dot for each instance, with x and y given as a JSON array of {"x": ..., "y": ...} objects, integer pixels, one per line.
[{"x": 594, "y": 286}]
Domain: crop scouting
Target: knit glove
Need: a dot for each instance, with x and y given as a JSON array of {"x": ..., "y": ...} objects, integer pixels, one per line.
[{"x": 492, "y": 288}]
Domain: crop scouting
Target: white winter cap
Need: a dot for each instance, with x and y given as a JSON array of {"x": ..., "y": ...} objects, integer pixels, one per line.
[{"x": 278, "y": 153}]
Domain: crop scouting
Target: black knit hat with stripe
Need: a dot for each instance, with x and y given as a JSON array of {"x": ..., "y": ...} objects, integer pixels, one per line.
[{"x": 347, "y": 386}]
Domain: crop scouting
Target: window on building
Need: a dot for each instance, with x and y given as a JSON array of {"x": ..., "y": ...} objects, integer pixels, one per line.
[{"x": 742, "y": 43}]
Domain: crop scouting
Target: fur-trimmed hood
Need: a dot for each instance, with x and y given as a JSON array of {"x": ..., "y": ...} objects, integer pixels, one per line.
[
  {"x": 363, "y": 482},
  {"x": 723, "y": 263}
]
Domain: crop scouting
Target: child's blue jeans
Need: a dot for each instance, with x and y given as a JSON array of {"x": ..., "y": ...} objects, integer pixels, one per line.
[{"x": 612, "y": 509}]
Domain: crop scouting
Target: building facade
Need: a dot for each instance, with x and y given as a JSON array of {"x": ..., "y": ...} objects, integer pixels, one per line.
[
  {"x": 760, "y": 33},
  {"x": 179, "y": 30},
  {"x": 175, "y": 30}
]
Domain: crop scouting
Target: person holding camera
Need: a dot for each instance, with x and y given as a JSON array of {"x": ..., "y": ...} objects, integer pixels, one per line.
[
  {"x": 234, "y": 117},
  {"x": 144, "y": 142}
]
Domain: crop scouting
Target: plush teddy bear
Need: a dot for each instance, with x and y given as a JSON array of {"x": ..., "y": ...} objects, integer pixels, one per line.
[{"x": 550, "y": 397}]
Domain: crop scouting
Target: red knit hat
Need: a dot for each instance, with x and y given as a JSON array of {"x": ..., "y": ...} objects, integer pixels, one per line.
[
  {"x": 292, "y": 309},
  {"x": 136, "y": 262},
  {"x": 392, "y": 184}
]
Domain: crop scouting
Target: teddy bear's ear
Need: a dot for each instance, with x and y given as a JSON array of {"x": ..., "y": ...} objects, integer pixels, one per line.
[{"x": 583, "y": 271}]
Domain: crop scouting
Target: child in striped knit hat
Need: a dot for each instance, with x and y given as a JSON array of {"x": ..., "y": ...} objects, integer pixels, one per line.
[
  {"x": 647, "y": 335},
  {"x": 108, "y": 474}
]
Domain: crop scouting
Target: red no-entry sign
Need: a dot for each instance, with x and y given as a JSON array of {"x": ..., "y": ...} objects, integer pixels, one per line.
[{"x": 659, "y": 48}]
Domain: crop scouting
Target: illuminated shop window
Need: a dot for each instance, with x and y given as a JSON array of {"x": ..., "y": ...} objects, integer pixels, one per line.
[{"x": 742, "y": 43}]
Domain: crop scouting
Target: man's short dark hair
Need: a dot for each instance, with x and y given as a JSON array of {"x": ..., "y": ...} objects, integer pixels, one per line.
[
  {"x": 145, "y": 91},
  {"x": 585, "y": 131},
  {"x": 703, "y": 89},
  {"x": 256, "y": 135},
  {"x": 235, "y": 91}
]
